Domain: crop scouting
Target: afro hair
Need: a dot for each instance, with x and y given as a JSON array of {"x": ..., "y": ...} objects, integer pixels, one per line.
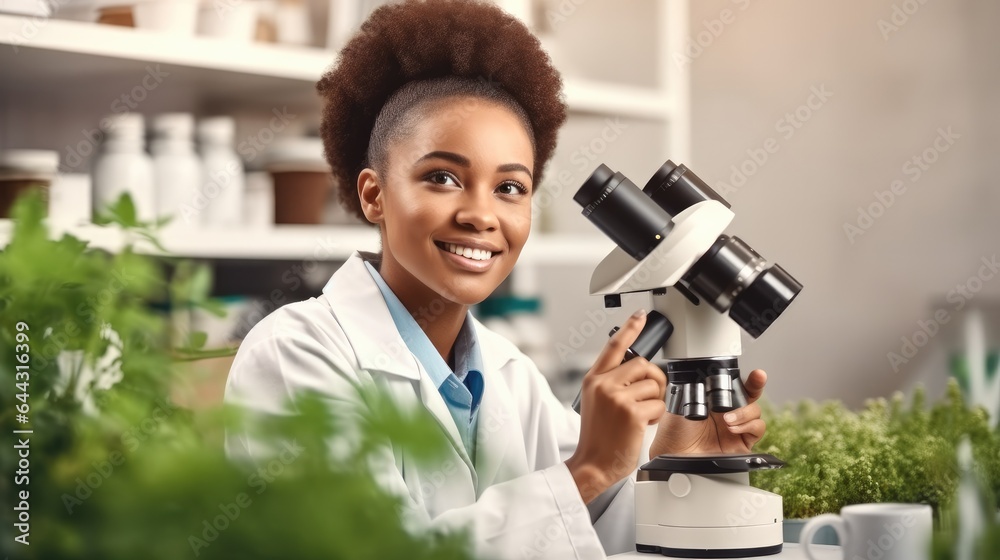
[{"x": 426, "y": 40}]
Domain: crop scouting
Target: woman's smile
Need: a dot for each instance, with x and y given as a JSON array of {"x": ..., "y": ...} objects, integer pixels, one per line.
[{"x": 467, "y": 256}]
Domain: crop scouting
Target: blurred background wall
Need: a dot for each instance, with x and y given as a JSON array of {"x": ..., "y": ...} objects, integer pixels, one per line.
[{"x": 899, "y": 80}]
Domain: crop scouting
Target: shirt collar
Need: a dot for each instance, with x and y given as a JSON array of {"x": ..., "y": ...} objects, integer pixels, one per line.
[{"x": 468, "y": 356}]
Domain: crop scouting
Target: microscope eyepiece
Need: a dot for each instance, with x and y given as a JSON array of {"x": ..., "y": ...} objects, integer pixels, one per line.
[
  {"x": 623, "y": 212},
  {"x": 675, "y": 188}
]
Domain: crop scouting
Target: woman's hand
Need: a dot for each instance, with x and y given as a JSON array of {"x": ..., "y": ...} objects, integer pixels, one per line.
[
  {"x": 618, "y": 402},
  {"x": 732, "y": 432}
]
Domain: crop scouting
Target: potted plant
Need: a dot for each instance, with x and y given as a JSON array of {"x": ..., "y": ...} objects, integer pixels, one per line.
[
  {"x": 112, "y": 468},
  {"x": 887, "y": 452}
]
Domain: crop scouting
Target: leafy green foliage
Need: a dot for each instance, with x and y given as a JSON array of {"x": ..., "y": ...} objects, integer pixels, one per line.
[
  {"x": 132, "y": 475},
  {"x": 888, "y": 452}
]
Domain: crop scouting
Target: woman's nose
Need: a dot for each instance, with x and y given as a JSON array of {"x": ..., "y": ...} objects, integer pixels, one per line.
[{"x": 477, "y": 211}]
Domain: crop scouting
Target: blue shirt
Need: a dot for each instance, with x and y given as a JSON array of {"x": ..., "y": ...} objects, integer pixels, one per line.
[{"x": 461, "y": 389}]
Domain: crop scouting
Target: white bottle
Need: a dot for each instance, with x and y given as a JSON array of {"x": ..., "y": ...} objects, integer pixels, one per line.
[
  {"x": 123, "y": 166},
  {"x": 177, "y": 169},
  {"x": 223, "y": 181}
]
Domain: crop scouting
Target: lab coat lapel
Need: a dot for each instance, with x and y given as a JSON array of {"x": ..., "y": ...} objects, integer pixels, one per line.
[
  {"x": 497, "y": 413},
  {"x": 368, "y": 326},
  {"x": 433, "y": 401}
]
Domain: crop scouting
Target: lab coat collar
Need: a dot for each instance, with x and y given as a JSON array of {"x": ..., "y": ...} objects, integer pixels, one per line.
[{"x": 359, "y": 307}]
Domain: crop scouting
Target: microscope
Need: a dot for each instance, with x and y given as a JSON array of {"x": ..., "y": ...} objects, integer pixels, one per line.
[{"x": 705, "y": 287}]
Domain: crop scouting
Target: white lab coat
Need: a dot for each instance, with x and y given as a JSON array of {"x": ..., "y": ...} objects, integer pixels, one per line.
[{"x": 519, "y": 499}]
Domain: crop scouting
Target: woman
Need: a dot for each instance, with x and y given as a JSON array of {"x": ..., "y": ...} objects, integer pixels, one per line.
[{"x": 439, "y": 119}]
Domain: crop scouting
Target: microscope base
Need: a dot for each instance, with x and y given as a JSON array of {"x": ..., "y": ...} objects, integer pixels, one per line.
[
  {"x": 731, "y": 542},
  {"x": 698, "y": 553}
]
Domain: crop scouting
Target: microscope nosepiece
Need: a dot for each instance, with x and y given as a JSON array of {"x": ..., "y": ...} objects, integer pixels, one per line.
[
  {"x": 694, "y": 401},
  {"x": 720, "y": 392}
]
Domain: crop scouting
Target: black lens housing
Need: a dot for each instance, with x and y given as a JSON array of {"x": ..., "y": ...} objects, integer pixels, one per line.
[
  {"x": 619, "y": 209},
  {"x": 732, "y": 277},
  {"x": 762, "y": 302},
  {"x": 676, "y": 188}
]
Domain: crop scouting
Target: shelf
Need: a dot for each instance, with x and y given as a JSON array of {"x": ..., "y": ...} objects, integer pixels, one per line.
[
  {"x": 48, "y": 55},
  {"x": 314, "y": 243},
  {"x": 284, "y": 242},
  {"x": 616, "y": 100},
  {"x": 566, "y": 249}
]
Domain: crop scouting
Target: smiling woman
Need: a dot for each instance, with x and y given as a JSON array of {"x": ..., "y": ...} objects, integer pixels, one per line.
[{"x": 439, "y": 118}]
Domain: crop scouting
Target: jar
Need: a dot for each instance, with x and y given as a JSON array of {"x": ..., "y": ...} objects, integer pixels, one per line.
[
  {"x": 223, "y": 176},
  {"x": 124, "y": 167},
  {"x": 23, "y": 170},
  {"x": 302, "y": 180}
]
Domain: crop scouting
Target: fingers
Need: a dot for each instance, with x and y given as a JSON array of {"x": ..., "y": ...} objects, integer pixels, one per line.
[
  {"x": 636, "y": 370},
  {"x": 651, "y": 410},
  {"x": 751, "y": 431},
  {"x": 746, "y": 422},
  {"x": 646, "y": 389},
  {"x": 742, "y": 415},
  {"x": 755, "y": 384},
  {"x": 614, "y": 351}
]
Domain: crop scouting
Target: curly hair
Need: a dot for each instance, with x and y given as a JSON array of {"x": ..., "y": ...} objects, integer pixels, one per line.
[{"x": 409, "y": 54}]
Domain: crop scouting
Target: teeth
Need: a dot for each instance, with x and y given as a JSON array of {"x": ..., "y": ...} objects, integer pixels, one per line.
[{"x": 468, "y": 252}]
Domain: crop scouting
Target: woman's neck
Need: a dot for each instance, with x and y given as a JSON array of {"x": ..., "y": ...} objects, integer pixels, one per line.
[{"x": 439, "y": 318}]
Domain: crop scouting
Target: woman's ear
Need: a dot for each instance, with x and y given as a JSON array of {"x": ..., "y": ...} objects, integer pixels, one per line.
[{"x": 370, "y": 193}]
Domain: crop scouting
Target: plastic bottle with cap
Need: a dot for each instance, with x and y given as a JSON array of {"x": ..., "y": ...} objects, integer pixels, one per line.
[
  {"x": 124, "y": 167},
  {"x": 180, "y": 191},
  {"x": 224, "y": 180}
]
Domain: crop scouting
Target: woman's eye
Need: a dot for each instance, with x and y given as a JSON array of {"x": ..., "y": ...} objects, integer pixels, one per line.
[
  {"x": 512, "y": 188},
  {"x": 442, "y": 178}
]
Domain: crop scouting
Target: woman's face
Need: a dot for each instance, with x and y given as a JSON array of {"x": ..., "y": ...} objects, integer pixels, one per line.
[{"x": 454, "y": 202}]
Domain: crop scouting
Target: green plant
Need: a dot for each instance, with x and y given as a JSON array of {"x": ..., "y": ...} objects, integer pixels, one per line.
[
  {"x": 116, "y": 470},
  {"x": 888, "y": 452}
]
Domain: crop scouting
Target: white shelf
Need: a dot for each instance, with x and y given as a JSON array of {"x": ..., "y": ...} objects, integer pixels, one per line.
[
  {"x": 275, "y": 61},
  {"x": 116, "y": 59},
  {"x": 313, "y": 243},
  {"x": 59, "y": 52},
  {"x": 284, "y": 242},
  {"x": 565, "y": 248},
  {"x": 617, "y": 100}
]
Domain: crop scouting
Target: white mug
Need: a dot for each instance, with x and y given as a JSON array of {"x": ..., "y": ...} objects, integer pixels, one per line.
[{"x": 876, "y": 531}]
